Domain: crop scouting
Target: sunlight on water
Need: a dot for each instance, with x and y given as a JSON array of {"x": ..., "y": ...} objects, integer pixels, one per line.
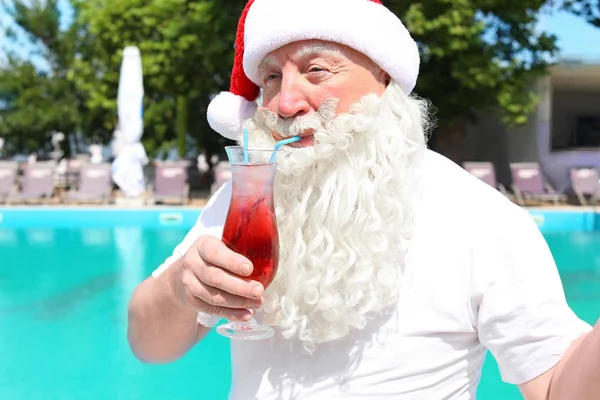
[{"x": 63, "y": 314}]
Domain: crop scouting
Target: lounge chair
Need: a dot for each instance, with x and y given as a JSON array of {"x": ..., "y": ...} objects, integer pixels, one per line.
[
  {"x": 8, "y": 175},
  {"x": 74, "y": 166},
  {"x": 9, "y": 164},
  {"x": 170, "y": 183},
  {"x": 528, "y": 184},
  {"x": 487, "y": 173},
  {"x": 37, "y": 184},
  {"x": 585, "y": 182},
  {"x": 94, "y": 185}
]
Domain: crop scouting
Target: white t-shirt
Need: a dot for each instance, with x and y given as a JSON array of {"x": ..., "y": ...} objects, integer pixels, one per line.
[{"x": 479, "y": 276}]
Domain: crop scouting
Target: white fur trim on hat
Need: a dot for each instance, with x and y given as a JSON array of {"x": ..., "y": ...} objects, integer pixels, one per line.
[
  {"x": 227, "y": 112},
  {"x": 363, "y": 25}
]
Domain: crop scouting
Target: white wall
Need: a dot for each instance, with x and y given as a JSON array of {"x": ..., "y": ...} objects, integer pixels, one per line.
[
  {"x": 490, "y": 140},
  {"x": 556, "y": 164}
]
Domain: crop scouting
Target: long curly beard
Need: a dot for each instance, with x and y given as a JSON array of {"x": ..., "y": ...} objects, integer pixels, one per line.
[{"x": 345, "y": 212}]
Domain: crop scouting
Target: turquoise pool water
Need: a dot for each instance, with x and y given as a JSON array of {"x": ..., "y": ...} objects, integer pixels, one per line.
[{"x": 63, "y": 299}]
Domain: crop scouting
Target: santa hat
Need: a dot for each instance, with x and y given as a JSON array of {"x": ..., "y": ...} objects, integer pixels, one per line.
[{"x": 367, "y": 26}]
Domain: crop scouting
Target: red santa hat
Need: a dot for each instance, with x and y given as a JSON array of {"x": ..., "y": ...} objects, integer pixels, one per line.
[{"x": 367, "y": 26}]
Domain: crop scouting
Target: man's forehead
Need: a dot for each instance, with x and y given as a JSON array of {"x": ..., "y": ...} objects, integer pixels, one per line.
[{"x": 303, "y": 49}]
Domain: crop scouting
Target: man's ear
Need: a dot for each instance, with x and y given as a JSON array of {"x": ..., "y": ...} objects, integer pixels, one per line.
[{"x": 384, "y": 77}]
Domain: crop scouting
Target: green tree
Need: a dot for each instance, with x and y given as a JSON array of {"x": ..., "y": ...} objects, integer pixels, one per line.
[
  {"x": 479, "y": 55},
  {"x": 35, "y": 97},
  {"x": 476, "y": 56},
  {"x": 187, "y": 50},
  {"x": 589, "y": 10}
]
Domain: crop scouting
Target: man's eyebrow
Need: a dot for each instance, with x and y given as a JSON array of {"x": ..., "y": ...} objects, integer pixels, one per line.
[
  {"x": 266, "y": 63},
  {"x": 304, "y": 53},
  {"x": 318, "y": 50}
]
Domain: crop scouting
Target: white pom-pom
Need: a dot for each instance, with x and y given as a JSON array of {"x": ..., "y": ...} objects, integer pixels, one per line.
[{"x": 227, "y": 112}]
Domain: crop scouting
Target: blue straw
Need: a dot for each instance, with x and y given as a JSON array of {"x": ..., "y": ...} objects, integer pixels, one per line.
[
  {"x": 281, "y": 143},
  {"x": 246, "y": 146}
]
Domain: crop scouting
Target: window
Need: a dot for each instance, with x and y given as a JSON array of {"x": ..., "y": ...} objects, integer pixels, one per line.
[{"x": 587, "y": 132}]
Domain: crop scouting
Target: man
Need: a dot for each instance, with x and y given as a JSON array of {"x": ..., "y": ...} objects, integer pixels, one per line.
[{"x": 397, "y": 268}]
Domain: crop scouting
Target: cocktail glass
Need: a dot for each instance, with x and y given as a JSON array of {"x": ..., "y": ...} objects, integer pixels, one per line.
[{"x": 251, "y": 227}]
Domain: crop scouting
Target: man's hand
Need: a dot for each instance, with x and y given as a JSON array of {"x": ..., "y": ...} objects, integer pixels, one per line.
[
  {"x": 163, "y": 311},
  {"x": 210, "y": 279}
]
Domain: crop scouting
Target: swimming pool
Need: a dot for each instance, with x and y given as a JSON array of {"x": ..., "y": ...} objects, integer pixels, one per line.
[{"x": 66, "y": 277}]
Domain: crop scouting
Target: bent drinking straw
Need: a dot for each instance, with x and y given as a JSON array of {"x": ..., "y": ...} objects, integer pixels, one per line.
[{"x": 281, "y": 143}]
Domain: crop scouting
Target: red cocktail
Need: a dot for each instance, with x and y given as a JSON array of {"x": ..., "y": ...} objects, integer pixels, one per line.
[
  {"x": 251, "y": 227},
  {"x": 251, "y": 230}
]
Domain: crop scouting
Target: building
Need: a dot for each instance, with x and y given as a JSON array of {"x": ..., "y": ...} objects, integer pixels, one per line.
[{"x": 563, "y": 132}]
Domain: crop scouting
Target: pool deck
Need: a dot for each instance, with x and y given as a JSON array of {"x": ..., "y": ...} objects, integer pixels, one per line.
[{"x": 200, "y": 202}]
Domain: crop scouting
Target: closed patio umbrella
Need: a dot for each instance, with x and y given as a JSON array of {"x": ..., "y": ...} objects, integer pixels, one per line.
[{"x": 127, "y": 168}]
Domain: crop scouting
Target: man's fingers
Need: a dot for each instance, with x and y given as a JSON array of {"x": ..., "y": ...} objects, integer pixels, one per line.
[
  {"x": 215, "y": 252},
  {"x": 216, "y": 297},
  {"x": 219, "y": 278}
]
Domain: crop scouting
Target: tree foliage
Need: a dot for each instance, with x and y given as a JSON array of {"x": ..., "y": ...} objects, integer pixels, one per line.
[
  {"x": 477, "y": 55},
  {"x": 35, "y": 97},
  {"x": 589, "y": 10},
  {"x": 187, "y": 51}
]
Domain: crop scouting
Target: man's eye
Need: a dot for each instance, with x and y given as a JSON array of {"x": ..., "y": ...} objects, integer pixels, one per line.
[
  {"x": 316, "y": 69},
  {"x": 270, "y": 77}
]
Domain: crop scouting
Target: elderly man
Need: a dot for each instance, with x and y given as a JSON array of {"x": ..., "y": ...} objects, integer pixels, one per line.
[{"x": 397, "y": 268}]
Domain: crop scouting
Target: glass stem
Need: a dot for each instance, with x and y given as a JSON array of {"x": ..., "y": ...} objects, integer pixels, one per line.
[{"x": 248, "y": 323}]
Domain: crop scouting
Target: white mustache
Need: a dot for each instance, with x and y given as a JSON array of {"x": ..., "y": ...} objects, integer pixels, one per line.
[{"x": 289, "y": 127}]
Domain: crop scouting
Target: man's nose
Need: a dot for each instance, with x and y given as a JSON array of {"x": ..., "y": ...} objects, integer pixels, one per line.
[{"x": 292, "y": 99}]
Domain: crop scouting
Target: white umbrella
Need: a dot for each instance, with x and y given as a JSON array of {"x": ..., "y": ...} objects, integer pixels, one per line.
[
  {"x": 202, "y": 164},
  {"x": 127, "y": 171},
  {"x": 96, "y": 153},
  {"x": 57, "y": 138}
]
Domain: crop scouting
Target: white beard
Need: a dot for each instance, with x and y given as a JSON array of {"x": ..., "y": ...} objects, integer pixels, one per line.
[{"x": 345, "y": 214}]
